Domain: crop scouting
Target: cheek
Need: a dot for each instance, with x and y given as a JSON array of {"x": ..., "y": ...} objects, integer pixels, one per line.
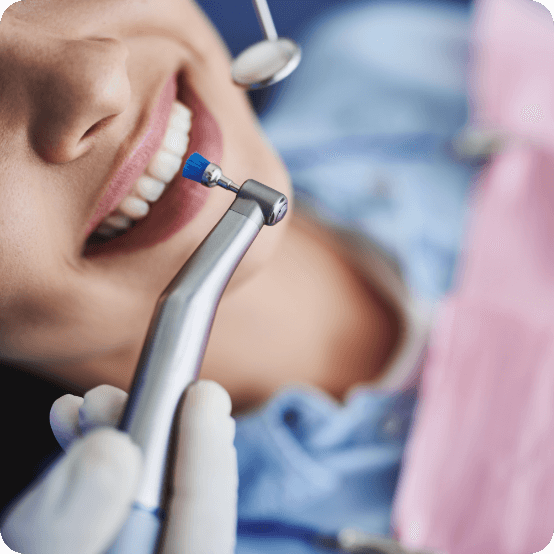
[
  {"x": 36, "y": 229},
  {"x": 248, "y": 154},
  {"x": 27, "y": 322},
  {"x": 70, "y": 324}
]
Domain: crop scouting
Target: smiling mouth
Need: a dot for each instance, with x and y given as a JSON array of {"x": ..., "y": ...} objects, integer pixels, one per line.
[
  {"x": 147, "y": 200},
  {"x": 164, "y": 165}
]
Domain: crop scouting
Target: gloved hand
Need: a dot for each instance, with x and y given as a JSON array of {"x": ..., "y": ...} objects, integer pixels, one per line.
[{"x": 80, "y": 504}]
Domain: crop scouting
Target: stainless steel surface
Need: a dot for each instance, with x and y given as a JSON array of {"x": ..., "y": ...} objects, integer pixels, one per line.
[
  {"x": 358, "y": 542},
  {"x": 265, "y": 19},
  {"x": 273, "y": 204},
  {"x": 176, "y": 343},
  {"x": 269, "y": 61},
  {"x": 266, "y": 63},
  {"x": 179, "y": 331},
  {"x": 213, "y": 176}
]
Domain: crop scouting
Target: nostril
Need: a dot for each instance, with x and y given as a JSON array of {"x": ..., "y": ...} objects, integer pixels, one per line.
[
  {"x": 98, "y": 126},
  {"x": 91, "y": 130}
]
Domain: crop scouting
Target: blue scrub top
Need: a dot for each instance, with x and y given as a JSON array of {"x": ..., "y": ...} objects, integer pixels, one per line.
[{"x": 306, "y": 460}]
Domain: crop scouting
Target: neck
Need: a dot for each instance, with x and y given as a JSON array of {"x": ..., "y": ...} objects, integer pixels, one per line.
[{"x": 308, "y": 317}]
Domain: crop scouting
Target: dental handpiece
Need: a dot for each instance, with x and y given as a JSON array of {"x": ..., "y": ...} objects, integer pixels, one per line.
[{"x": 176, "y": 342}]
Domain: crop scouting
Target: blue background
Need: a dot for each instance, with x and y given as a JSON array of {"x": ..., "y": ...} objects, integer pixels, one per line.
[{"x": 236, "y": 21}]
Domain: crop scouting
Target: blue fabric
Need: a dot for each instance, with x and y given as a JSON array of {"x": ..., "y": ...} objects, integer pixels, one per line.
[
  {"x": 307, "y": 460},
  {"x": 363, "y": 126}
]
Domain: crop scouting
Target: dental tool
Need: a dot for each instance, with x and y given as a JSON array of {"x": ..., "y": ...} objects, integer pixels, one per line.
[
  {"x": 176, "y": 342},
  {"x": 268, "y": 61}
]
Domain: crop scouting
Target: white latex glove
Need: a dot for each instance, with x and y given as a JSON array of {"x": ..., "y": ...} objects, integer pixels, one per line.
[{"x": 60, "y": 517}]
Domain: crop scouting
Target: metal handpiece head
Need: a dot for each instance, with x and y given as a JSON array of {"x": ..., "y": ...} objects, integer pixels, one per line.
[{"x": 273, "y": 204}]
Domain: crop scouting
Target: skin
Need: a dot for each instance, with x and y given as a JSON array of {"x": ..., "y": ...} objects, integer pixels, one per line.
[{"x": 76, "y": 80}]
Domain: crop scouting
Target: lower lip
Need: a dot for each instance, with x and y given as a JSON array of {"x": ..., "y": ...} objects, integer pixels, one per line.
[{"x": 184, "y": 199}]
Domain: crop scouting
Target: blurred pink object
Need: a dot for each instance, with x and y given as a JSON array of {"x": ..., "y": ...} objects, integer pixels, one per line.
[
  {"x": 479, "y": 468},
  {"x": 511, "y": 84}
]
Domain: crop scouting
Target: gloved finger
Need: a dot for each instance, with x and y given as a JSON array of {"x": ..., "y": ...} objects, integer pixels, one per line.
[
  {"x": 64, "y": 419},
  {"x": 203, "y": 510},
  {"x": 102, "y": 407},
  {"x": 71, "y": 416},
  {"x": 81, "y": 502}
]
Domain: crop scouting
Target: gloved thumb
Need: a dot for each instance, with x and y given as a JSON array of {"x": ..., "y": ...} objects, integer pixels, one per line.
[
  {"x": 79, "y": 504},
  {"x": 203, "y": 510},
  {"x": 72, "y": 417}
]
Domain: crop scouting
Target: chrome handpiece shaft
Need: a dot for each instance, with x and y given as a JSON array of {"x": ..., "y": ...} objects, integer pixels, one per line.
[
  {"x": 176, "y": 343},
  {"x": 174, "y": 350}
]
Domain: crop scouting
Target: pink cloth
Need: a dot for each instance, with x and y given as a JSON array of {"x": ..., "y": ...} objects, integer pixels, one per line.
[{"x": 479, "y": 468}]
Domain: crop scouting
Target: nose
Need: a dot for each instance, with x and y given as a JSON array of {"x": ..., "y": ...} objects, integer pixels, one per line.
[{"x": 77, "y": 88}]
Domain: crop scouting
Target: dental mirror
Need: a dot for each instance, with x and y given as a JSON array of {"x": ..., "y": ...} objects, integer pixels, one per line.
[{"x": 269, "y": 61}]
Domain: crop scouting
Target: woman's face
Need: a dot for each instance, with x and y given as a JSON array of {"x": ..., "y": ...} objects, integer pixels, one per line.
[{"x": 89, "y": 93}]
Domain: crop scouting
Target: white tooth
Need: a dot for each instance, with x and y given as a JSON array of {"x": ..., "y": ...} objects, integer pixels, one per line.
[
  {"x": 180, "y": 109},
  {"x": 187, "y": 138},
  {"x": 180, "y": 123},
  {"x": 174, "y": 142},
  {"x": 106, "y": 230},
  {"x": 134, "y": 207},
  {"x": 180, "y": 117},
  {"x": 148, "y": 188},
  {"x": 118, "y": 221},
  {"x": 164, "y": 166}
]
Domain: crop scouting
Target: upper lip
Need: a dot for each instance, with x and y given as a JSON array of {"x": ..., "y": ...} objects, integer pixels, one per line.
[{"x": 136, "y": 160}]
